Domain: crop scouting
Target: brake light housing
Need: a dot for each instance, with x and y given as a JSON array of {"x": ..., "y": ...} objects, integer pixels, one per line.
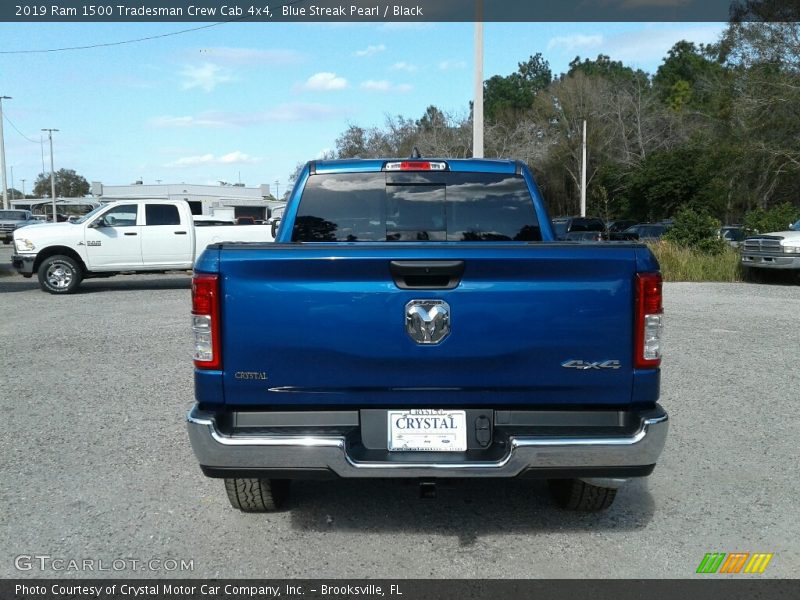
[
  {"x": 415, "y": 165},
  {"x": 649, "y": 321},
  {"x": 205, "y": 321}
]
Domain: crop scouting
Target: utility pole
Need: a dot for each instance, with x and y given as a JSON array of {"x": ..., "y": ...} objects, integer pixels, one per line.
[
  {"x": 23, "y": 189},
  {"x": 52, "y": 174},
  {"x": 41, "y": 146},
  {"x": 12, "y": 185},
  {"x": 277, "y": 190},
  {"x": 583, "y": 173},
  {"x": 477, "y": 104},
  {"x": 3, "y": 153}
]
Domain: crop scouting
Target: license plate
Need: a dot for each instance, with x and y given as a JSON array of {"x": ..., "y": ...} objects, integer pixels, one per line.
[{"x": 428, "y": 430}]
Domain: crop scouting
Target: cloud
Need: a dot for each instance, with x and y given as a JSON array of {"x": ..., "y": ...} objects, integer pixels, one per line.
[
  {"x": 236, "y": 157},
  {"x": 571, "y": 42},
  {"x": 206, "y": 77},
  {"x": 252, "y": 56},
  {"x": 372, "y": 85},
  {"x": 652, "y": 43},
  {"x": 447, "y": 65},
  {"x": 281, "y": 113},
  {"x": 324, "y": 82},
  {"x": 370, "y": 50},
  {"x": 404, "y": 66},
  {"x": 186, "y": 121},
  {"x": 302, "y": 112}
]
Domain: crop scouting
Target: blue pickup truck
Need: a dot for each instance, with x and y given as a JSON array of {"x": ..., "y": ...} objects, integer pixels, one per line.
[{"x": 416, "y": 319}]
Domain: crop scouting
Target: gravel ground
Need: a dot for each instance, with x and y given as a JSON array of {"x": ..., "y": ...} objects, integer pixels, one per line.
[{"x": 96, "y": 463}]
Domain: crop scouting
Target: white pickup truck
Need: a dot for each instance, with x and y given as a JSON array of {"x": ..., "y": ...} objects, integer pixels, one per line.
[
  {"x": 774, "y": 250},
  {"x": 126, "y": 236}
]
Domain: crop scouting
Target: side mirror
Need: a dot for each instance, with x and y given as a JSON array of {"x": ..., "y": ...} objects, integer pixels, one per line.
[
  {"x": 275, "y": 223},
  {"x": 96, "y": 224}
]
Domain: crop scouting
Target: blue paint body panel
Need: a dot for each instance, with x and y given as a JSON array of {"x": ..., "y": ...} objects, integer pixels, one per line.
[{"x": 326, "y": 321}]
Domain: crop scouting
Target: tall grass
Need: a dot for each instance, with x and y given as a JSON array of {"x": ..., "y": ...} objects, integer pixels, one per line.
[{"x": 685, "y": 264}]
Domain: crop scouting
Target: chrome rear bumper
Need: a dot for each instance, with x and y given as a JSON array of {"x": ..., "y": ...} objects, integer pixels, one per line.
[{"x": 216, "y": 450}]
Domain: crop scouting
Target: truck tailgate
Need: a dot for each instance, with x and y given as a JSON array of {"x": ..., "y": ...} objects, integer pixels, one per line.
[{"x": 323, "y": 324}]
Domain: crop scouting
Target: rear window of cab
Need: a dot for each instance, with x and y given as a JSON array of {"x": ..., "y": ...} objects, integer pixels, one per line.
[{"x": 415, "y": 206}]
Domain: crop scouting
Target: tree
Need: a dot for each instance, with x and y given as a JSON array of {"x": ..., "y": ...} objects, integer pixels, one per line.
[
  {"x": 764, "y": 122},
  {"x": 603, "y": 66},
  {"x": 778, "y": 218},
  {"x": 68, "y": 184},
  {"x": 560, "y": 113},
  {"x": 434, "y": 134},
  {"x": 507, "y": 97},
  {"x": 688, "y": 78},
  {"x": 667, "y": 181}
]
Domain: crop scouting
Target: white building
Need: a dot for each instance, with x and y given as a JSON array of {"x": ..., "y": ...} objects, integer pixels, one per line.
[{"x": 203, "y": 199}]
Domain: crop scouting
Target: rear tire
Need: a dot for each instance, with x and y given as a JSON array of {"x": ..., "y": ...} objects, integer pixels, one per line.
[
  {"x": 257, "y": 495},
  {"x": 60, "y": 274},
  {"x": 574, "y": 494}
]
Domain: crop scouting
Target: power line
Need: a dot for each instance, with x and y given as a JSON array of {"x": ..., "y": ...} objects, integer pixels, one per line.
[
  {"x": 10, "y": 122},
  {"x": 142, "y": 39}
]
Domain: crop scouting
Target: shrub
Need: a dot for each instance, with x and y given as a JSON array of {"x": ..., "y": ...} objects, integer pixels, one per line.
[
  {"x": 697, "y": 231},
  {"x": 776, "y": 218}
]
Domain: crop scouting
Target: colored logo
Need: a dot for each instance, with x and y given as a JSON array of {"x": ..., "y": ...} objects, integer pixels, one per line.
[{"x": 734, "y": 563}]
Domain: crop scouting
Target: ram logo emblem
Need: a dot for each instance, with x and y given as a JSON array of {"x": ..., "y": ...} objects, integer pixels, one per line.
[{"x": 427, "y": 321}]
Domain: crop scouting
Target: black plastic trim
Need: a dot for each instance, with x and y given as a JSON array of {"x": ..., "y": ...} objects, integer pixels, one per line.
[
  {"x": 23, "y": 264},
  {"x": 395, "y": 245},
  {"x": 427, "y": 274},
  {"x": 311, "y": 473},
  {"x": 560, "y": 473},
  {"x": 530, "y": 473}
]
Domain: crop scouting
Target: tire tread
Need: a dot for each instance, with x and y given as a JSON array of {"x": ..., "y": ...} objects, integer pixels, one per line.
[
  {"x": 577, "y": 495},
  {"x": 256, "y": 495}
]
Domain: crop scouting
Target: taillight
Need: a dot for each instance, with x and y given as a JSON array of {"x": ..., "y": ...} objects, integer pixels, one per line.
[
  {"x": 205, "y": 321},
  {"x": 415, "y": 165},
  {"x": 649, "y": 314}
]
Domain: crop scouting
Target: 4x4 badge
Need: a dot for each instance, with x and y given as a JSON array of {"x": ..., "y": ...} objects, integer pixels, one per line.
[{"x": 587, "y": 365}]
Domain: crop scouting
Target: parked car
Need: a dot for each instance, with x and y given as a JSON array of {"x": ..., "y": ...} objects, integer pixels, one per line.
[
  {"x": 126, "y": 236},
  {"x": 11, "y": 220},
  {"x": 619, "y": 225},
  {"x": 359, "y": 347},
  {"x": 646, "y": 231},
  {"x": 733, "y": 234},
  {"x": 566, "y": 225},
  {"x": 586, "y": 236},
  {"x": 776, "y": 250}
]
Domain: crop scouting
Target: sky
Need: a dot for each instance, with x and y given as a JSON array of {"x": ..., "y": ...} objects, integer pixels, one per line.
[{"x": 248, "y": 101}]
